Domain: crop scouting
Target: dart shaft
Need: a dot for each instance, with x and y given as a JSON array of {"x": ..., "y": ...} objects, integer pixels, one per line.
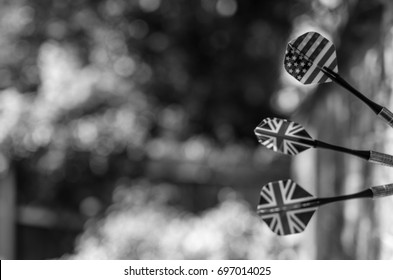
[
  {"x": 325, "y": 200},
  {"x": 374, "y": 106},
  {"x": 363, "y": 194},
  {"x": 362, "y": 154},
  {"x": 381, "y": 111},
  {"x": 372, "y": 192}
]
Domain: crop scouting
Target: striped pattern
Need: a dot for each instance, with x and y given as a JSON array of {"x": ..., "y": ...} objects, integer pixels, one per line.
[
  {"x": 307, "y": 55},
  {"x": 283, "y": 136},
  {"x": 283, "y": 207}
]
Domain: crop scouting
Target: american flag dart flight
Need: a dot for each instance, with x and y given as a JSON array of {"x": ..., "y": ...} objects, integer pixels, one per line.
[
  {"x": 290, "y": 138},
  {"x": 312, "y": 59},
  {"x": 287, "y": 208},
  {"x": 307, "y": 55}
]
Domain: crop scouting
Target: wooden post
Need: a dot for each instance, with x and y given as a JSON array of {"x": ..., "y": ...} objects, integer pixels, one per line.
[{"x": 7, "y": 215}]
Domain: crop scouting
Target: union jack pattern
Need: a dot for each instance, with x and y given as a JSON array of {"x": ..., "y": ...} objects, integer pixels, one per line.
[
  {"x": 283, "y": 136},
  {"x": 283, "y": 207},
  {"x": 307, "y": 54}
]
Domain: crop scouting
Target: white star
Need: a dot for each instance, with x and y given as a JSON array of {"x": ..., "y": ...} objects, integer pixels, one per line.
[
  {"x": 289, "y": 64},
  {"x": 295, "y": 64},
  {"x": 294, "y": 57},
  {"x": 299, "y": 77},
  {"x": 302, "y": 64},
  {"x": 290, "y": 70}
]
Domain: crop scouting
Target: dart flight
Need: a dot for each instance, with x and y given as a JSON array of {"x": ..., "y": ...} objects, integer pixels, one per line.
[
  {"x": 287, "y": 208},
  {"x": 312, "y": 59},
  {"x": 291, "y": 138}
]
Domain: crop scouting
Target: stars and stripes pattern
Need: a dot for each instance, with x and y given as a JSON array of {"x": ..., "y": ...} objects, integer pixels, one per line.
[
  {"x": 283, "y": 136},
  {"x": 307, "y": 55},
  {"x": 283, "y": 207}
]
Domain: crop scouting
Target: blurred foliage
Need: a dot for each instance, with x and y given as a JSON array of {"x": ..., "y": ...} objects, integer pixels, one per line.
[
  {"x": 142, "y": 225},
  {"x": 92, "y": 91},
  {"x": 94, "y": 88}
]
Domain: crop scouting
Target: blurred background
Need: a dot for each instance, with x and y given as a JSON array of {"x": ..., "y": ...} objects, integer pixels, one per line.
[{"x": 126, "y": 128}]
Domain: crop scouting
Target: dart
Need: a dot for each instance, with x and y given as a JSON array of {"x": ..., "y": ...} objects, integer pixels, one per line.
[
  {"x": 312, "y": 59},
  {"x": 287, "y": 208},
  {"x": 291, "y": 138}
]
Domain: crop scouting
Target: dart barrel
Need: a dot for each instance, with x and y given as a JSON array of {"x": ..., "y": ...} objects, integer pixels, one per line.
[
  {"x": 381, "y": 191},
  {"x": 387, "y": 116},
  {"x": 380, "y": 158}
]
